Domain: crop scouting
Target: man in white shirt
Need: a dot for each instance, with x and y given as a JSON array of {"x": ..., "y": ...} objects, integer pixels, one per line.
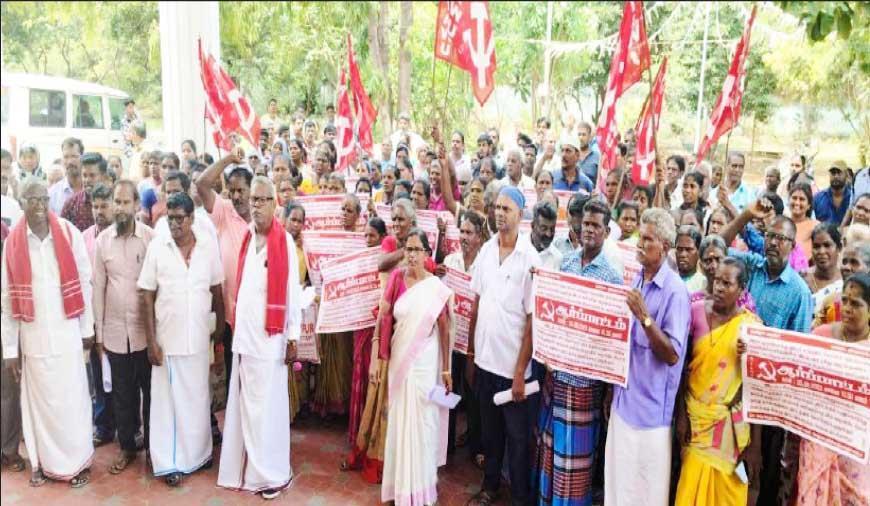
[
  {"x": 178, "y": 182},
  {"x": 180, "y": 287},
  {"x": 46, "y": 308},
  {"x": 514, "y": 171},
  {"x": 501, "y": 324},
  {"x": 256, "y": 448},
  {"x": 544, "y": 217}
]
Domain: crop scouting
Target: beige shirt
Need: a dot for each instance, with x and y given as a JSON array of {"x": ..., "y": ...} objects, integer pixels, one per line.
[
  {"x": 51, "y": 333},
  {"x": 184, "y": 301},
  {"x": 117, "y": 263}
]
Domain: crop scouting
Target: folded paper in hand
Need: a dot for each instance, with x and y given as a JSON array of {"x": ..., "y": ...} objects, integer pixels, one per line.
[
  {"x": 439, "y": 396},
  {"x": 505, "y": 396}
]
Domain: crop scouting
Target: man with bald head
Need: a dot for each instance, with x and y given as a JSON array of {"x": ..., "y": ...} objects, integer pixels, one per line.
[
  {"x": 514, "y": 166},
  {"x": 502, "y": 340},
  {"x": 739, "y": 193}
]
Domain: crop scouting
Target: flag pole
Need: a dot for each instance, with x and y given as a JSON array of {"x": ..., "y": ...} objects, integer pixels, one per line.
[{"x": 446, "y": 93}]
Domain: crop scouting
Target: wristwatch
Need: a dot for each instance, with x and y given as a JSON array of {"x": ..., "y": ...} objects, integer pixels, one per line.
[{"x": 647, "y": 322}]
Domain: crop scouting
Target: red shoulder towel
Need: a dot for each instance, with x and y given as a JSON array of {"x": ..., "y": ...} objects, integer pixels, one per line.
[
  {"x": 278, "y": 270},
  {"x": 21, "y": 277},
  {"x": 394, "y": 289}
]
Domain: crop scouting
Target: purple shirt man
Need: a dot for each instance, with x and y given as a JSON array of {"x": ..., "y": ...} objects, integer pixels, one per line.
[{"x": 648, "y": 402}]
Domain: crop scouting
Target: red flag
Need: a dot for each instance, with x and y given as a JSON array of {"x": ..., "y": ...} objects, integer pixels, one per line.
[
  {"x": 647, "y": 124},
  {"x": 629, "y": 62},
  {"x": 366, "y": 114},
  {"x": 226, "y": 108},
  {"x": 727, "y": 110},
  {"x": 463, "y": 38},
  {"x": 344, "y": 128}
]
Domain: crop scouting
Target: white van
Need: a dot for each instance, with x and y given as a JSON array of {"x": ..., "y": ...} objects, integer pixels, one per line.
[{"x": 44, "y": 110}]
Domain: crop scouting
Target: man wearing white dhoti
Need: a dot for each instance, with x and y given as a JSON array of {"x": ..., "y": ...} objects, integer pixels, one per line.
[
  {"x": 46, "y": 300},
  {"x": 180, "y": 287},
  {"x": 255, "y": 455}
]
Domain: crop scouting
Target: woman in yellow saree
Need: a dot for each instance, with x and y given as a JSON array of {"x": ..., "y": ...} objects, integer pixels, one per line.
[{"x": 710, "y": 424}]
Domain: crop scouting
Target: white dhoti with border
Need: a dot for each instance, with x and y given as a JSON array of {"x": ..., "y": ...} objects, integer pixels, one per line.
[
  {"x": 637, "y": 464},
  {"x": 255, "y": 454},
  {"x": 56, "y": 414},
  {"x": 180, "y": 414}
]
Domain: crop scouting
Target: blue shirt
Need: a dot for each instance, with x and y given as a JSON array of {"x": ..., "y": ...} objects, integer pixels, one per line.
[
  {"x": 823, "y": 205},
  {"x": 648, "y": 402},
  {"x": 581, "y": 182},
  {"x": 600, "y": 270},
  {"x": 741, "y": 198},
  {"x": 58, "y": 194},
  {"x": 784, "y": 302},
  {"x": 589, "y": 165}
]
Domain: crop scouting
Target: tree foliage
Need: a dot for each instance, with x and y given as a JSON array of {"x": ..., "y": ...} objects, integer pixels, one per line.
[{"x": 112, "y": 43}]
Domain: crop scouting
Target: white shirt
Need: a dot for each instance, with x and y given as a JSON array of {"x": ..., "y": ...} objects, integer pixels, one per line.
[
  {"x": 505, "y": 292},
  {"x": 58, "y": 194},
  {"x": 456, "y": 261},
  {"x": 183, "y": 304},
  {"x": 201, "y": 223},
  {"x": 526, "y": 183},
  {"x": 249, "y": 334},
  {"x": 51, "y": 333},
  {"x": 10, "y": 210},
  {"x": 551, "y": 257}
]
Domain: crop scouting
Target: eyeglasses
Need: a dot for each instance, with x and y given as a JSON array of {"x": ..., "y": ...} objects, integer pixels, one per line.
[
  {"x": 779, "y": 238},
  {"x": 414, "y": 250},
  {"x": 259, "y": 201},
  {"x": 33, "y": 201},
  {"x": 176, "y": 218}
]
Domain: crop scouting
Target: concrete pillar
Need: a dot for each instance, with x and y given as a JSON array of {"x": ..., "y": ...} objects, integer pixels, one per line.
[{"x": 182, "y": 24}]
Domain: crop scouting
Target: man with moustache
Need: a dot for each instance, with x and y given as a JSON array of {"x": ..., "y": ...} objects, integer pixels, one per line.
[
  {"x": 569, "y": 422},
  {"x": 180, "y": 289},
  {"x": 256, "y": 449},
  {"x": 784, "y": 302},
  {"x": 588, "y": 156},
  {"x": 831, "y": 204},
  {"x": 544, "y": 217},
  {"x": 118, "y": 255},
  {"x": 77, "y": 209},
  {"x": 60, "y": 192}
]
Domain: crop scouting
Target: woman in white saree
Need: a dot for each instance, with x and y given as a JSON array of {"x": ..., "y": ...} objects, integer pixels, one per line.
[{"x": 418, "y": 345}]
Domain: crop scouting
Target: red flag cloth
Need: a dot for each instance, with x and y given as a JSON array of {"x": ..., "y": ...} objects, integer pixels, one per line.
[
  {"x": 647, "y": 124},
  {"x": 463, "y": 38},
  {"x": 727, "y": 110},
  {"x": 277, "y": 269},
  {"x": 630, "y": 61},
  {"x": 366, "y": 114},
  {"x": 227, "y": 109},
  {"x": 344, "y": 128},
  {"x": 21, "y": 275}
]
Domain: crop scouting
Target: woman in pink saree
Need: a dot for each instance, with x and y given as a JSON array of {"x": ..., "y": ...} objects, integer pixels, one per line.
[
  {"x": 824, "y": 477},
  {"x": 414, "y": 334}
]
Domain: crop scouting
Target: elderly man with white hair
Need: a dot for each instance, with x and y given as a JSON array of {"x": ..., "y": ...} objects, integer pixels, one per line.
[
  {"x": 639, "y": 431},
  {"x": 515, "y": 176},
  {"x": 256, "y": 446},
  {"x": 46, "y": 309}
]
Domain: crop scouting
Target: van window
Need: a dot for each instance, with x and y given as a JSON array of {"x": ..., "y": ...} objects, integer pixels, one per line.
[
  {"x": 116, "y": 112},
  {"x": 87, "y": 111},
  {"x": 47, "y": 108}
]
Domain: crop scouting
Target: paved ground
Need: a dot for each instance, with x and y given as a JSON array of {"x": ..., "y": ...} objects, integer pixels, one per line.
[{"x": 317, "y": 449}]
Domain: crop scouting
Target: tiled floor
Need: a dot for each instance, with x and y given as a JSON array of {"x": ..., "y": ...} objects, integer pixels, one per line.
[{"x": 317, "y": 450}]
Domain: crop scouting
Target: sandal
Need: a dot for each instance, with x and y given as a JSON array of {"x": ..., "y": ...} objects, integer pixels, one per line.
[
  {"x": 81, "y": 479},
  {"x": 37, "y": 479},
  {"x": 174, "y": 479},
  {"x": 482, "y": 498},
  {"x": 122, "y": 462}
]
